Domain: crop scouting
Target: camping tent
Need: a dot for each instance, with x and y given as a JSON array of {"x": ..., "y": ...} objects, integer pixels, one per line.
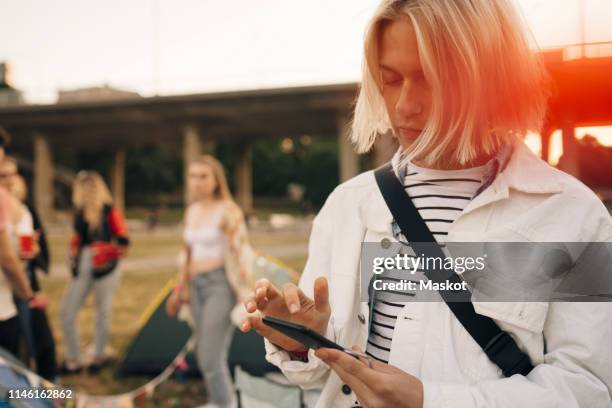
[{"x": 161, "y": 338}]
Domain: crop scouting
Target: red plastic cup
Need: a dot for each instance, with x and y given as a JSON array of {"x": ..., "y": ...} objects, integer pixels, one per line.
[{"x": 26, "y": 244}]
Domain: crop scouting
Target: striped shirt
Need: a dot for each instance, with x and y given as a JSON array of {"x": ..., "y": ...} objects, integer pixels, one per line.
[{"x": 439, "y": 196}]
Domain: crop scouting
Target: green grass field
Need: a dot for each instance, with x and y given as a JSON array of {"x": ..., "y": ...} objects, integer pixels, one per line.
[{"x": 137, "y": 288}]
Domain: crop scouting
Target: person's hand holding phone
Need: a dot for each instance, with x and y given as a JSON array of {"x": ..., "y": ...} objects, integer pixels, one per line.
[{"x": 291, "y": 304}]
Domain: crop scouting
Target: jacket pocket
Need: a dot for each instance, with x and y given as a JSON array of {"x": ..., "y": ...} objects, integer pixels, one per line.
[{"x": 515, "y": 316}]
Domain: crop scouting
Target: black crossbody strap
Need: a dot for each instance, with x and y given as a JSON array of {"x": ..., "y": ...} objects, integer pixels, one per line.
[{"x": 499, "y": 346}]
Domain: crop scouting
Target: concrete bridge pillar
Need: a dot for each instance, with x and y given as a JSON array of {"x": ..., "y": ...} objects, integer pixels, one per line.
[
  {"x": 545, "y": 136},
  {"x": 569, "y": 162},
  {"x": 244, "y": 177},
  {"x": 117, "y": 178},
  {"x": 192, "y": 148},
  {"x": 43, "y": 178},
  {"x": 348, "y": 159}
]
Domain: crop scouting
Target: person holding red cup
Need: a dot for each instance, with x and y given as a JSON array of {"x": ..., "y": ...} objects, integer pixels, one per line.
[
  {"x": 33, "y": 250},
  {"x": 13, "y": 278}
]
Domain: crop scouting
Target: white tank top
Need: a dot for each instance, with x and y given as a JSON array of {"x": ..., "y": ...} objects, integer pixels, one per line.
[
  {"x": 23, "y": 227},
  {"x": 207, "y": 242}
]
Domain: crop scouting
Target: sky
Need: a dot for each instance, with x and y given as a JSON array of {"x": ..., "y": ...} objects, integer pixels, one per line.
[
  {"x": 190, "y": 46},
  {"x": 165, "y": 47}
]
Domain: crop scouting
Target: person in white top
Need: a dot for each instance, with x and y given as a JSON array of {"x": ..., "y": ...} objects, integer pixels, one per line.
[
  {"x": 31, "y": 242},
  {"x": 20, "y": 220},
  {"x": 456, "y": 83},
  {"x": 12, "y": 273},
  {"x": 214, "y": 238}
]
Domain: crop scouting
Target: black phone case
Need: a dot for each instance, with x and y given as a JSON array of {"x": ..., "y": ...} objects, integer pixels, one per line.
[{"x": 309, "y": 338}]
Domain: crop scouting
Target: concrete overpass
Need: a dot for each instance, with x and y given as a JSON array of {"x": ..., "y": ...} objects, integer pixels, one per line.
[
  {"x": 581, "y": 77},
  {"x": 194, "y": 121},
  {"x": 582, "y": 96}
]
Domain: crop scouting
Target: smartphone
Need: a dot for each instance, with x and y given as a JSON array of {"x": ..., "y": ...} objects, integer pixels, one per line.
[{"x": 308, "y": 337}]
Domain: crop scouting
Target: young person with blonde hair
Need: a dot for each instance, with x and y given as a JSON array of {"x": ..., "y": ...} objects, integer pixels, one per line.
[
  {"x": 457, "y": 85},
  {"x": 214, "y": 273},
  {"x": 100, "y": 239}
]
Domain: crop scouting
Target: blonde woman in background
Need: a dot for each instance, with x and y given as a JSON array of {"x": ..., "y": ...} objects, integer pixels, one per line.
[
  {"x": 216, "y": 271},
  {"x": 100, "y": 239}
]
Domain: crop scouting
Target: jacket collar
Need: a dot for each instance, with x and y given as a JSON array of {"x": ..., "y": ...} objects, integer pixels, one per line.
[
  {"x": 515, "y": 167},
  {"x": 524, "y": 172},
  {"x": 528, "y": 173}
]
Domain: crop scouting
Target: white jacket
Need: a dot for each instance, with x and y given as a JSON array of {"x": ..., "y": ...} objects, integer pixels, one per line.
[{"x": 567, "y": 342}]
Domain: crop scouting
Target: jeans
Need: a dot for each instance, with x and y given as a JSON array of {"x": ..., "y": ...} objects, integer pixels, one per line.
[
  {"x": 212, "y": 300},
  {"x": 36, "y": 331},
  {"x": 9, "y": 335},
  {"x": 78, "y": 289}
]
